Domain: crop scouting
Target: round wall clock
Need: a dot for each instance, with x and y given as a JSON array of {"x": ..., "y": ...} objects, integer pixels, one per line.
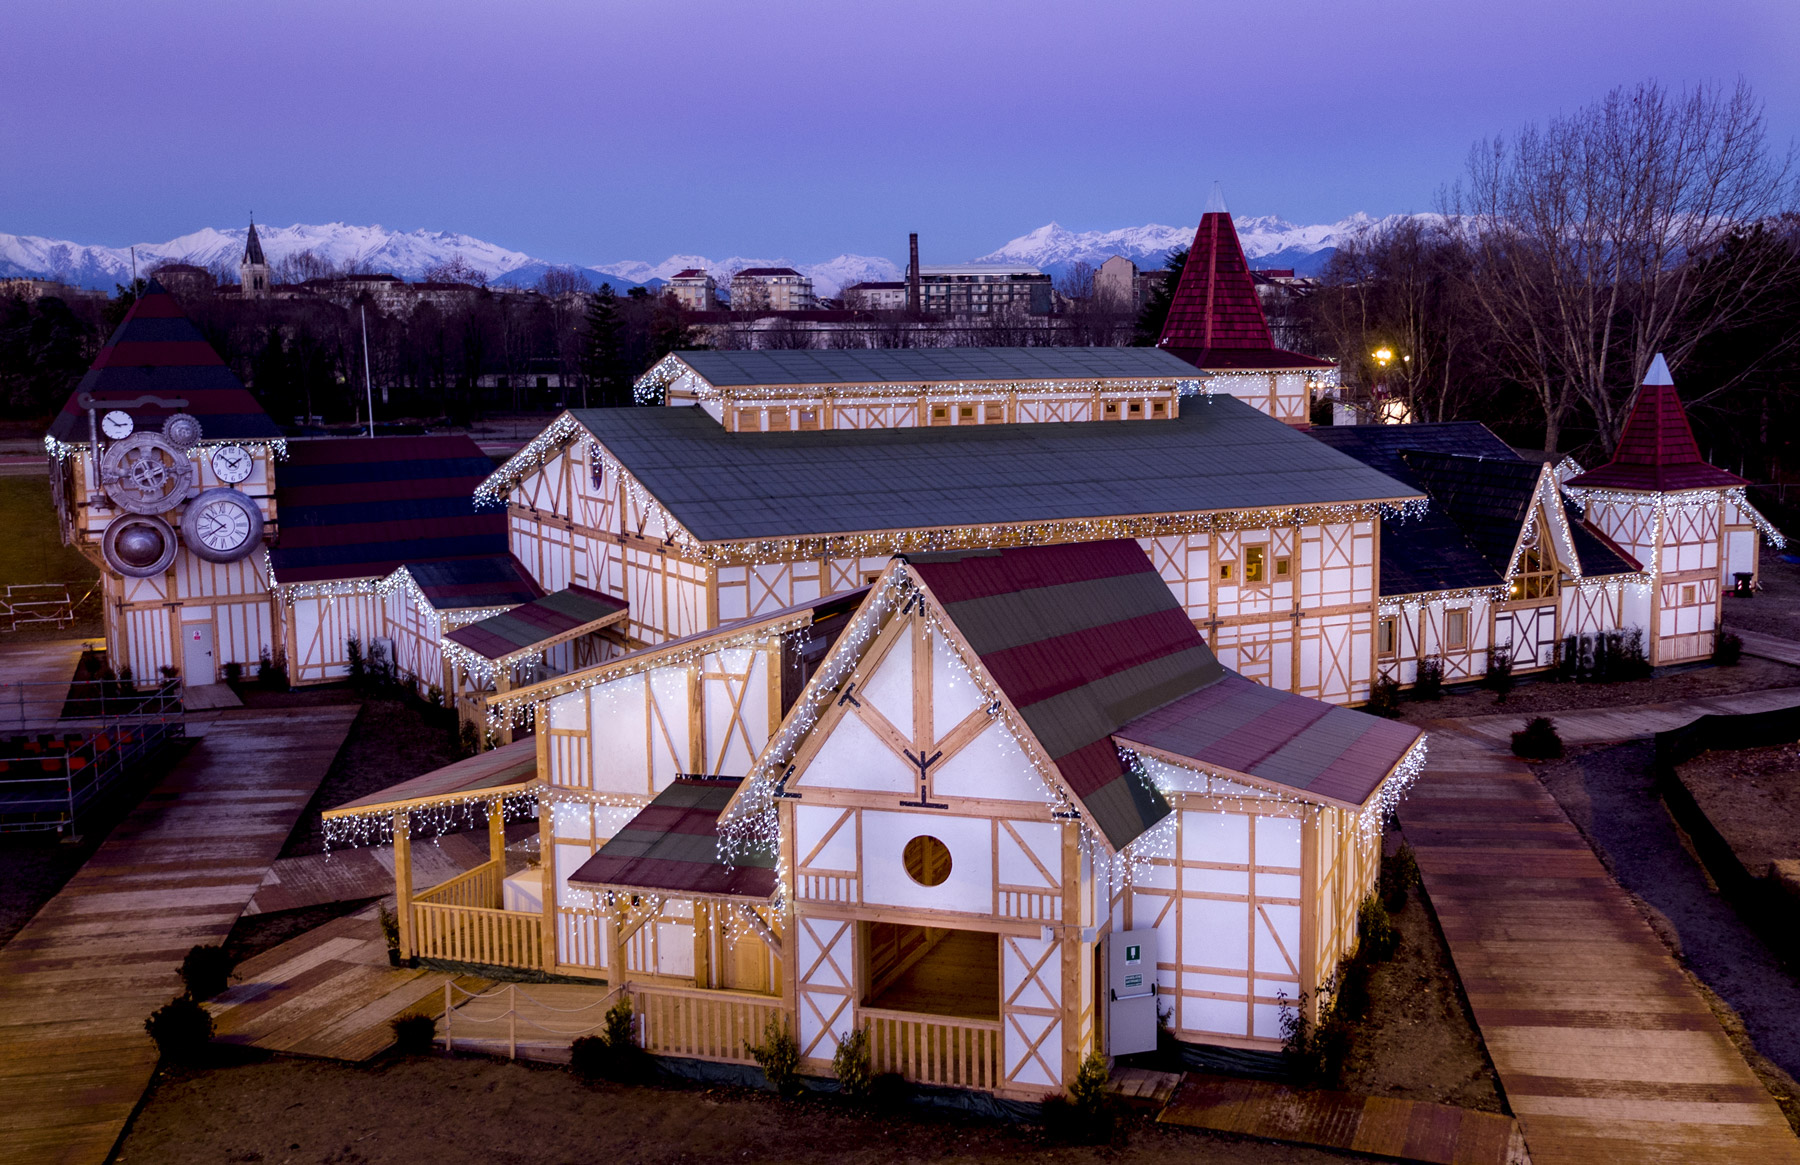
[
  {"x": 138, "y": 545},
  {"x": 232, "y": 463},
  {"x": 182, "y": 431},
  {"x": 117, "y": 425},
  {"x": 222, "y": 525},
  {"x": 144, "y": 474}
]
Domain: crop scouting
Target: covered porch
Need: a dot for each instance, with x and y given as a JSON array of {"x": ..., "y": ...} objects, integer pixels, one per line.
[
  {"x": 549, "y": 636},
  {"x": 481, "y": 916}
]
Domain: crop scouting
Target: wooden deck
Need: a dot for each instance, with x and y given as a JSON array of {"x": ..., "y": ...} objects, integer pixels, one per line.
[
  {"x": 329, "y": 992},
  {"x": 78, "y": 981},
  {"x": 345, "y": 875},
  {"x": 532, "y": 1021},
  {"x": 1403, "y": 1130},
  {"x": 1605, "y": 1050}
]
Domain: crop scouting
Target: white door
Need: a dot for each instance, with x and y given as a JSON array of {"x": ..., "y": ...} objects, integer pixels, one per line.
[{"x": 197, "y": 654}]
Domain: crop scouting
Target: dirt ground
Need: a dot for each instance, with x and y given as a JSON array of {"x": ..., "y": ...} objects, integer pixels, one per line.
[
  {"x": 1419, "y": 1042},
  {"x": 1776, "y": 610},
  {"x": 1533, "y": 695},
  {"x": 1752, "y": 797},
  {"x": 491, "y": 1112}
]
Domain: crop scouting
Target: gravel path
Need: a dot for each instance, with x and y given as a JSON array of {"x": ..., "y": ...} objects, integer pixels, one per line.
[{"x": 1610, "y": 794}]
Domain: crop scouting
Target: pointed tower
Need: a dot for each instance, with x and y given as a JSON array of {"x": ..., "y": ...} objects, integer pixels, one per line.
[
  {"x": 1216, "y": 323},
  {"x": 1686, "y": 520},
  {"x": 253, "y": 269}
]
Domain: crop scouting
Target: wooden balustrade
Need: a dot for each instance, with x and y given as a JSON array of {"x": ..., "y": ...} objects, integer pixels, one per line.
[
  {"x": 934, "y": 1049},
  {"x": 478, "y": 887},
  {"x": 473, "y": 934},
  {"x": 703, "y": 1024}
]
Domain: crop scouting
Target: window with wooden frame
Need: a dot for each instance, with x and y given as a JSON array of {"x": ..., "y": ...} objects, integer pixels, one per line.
[
  {"x": 1536, "y": 577},
  {"x": 1688, "y": 592},
  {"x": 809, "y": 418},
  {"x": 1159, "y": 408},
  {"x": 1387, "y": 635},
  {"x": 965, "y": 414},
  {"x": 778, "y": 420},
  {"x": 995, "y": 414},
  {"x": 1227, "y": 572},
  {"x": 940, "y": 414},
  {"x": 1256, "y": 565},
  {"x": 1456, "y": 628},
  {"x": 1136, "y": 410},
  {"x": 1111, "y": 410},
  {"x": 1284, "y": 568},
  {"x": 749, "y": 420}
]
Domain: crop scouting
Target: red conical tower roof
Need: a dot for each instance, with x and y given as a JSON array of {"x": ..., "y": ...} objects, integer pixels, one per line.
[
  {"x": 1215, "y": 318},
  {"x": 1657, "y": 452},
  {"x": 157, "y": 351}
]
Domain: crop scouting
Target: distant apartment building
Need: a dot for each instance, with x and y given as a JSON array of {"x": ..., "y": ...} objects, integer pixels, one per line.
[
  {"x": 772, "y": 289},
  {"x": 185, "y": 281},
  {"x": 980, "y": 289},
  {"x": 695, "y": 290},
  {"x": 31, "y": 290},
  {"x": 1116, "y": 284},
  {"x": 875, "y": 296}
]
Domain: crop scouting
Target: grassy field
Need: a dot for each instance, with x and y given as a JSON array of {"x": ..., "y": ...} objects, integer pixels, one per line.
[{"x": 34, "y": 551}]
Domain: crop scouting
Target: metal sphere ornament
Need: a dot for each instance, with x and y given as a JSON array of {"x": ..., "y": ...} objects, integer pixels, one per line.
[
  {"x": 144, "y": 474},
  {"x": 182, "y": 431},
  {"x": 222, "y": 525},
  {"x": 138, "y": 545}
]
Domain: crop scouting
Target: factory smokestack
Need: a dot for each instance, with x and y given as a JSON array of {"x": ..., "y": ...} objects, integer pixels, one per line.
[{"x": 912, "y": 274}]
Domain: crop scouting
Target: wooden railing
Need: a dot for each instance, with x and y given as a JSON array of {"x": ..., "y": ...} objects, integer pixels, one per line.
[
  {"x": 477, "y": 887},
  {"x": 473, "y": 934},
  {"x": 702, "y": 1024},
  {"x": 933, "y": 1049}
]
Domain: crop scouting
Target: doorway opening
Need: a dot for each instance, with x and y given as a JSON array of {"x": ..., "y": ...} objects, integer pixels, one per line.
[{"x": 932, "y": 970}]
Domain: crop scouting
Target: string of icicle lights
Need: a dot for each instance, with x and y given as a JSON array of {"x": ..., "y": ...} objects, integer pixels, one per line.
[
  {"x": 437, "y": 622},
  {"x": 275, "y": 447},
  {"x": 434, "y": 820}
]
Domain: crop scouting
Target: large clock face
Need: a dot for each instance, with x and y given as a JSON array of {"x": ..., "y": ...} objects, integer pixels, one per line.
[
  {"x": 117, "y": 425},
  {"x": 232, "y": 463},
  {"x": 222, "y": 525}
]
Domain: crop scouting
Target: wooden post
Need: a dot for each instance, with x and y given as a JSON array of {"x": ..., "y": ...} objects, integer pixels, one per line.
[
  {"x": 502, "y": 684},
  {"x": 1070, "y": 934},
  {"x": 703, "y": 922},
  {"x": 403, "y": 891},
  {"x": 497, "y": 848}
]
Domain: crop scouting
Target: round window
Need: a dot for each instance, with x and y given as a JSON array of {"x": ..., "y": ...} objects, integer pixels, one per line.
[{"x": 927, "y": 860}]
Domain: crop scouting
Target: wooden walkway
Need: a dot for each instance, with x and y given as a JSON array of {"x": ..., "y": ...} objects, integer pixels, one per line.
[
  {"x": 78, "y": 981},
  {"x": 1605, "y": 1050},
  {"x": 1605, "y": 725},
  {"x": 1768, "y": 646},
  {"x": 1403, "y": 1130},
  {"x": 329, "y": 992},
  {"x": 344, "y": 875}
]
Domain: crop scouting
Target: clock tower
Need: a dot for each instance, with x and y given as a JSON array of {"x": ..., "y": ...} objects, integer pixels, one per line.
[{"x": 253, "y": 269}]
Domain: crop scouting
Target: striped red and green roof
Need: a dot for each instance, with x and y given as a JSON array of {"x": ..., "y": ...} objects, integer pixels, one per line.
[
  {"x": 673, "y": 845},
  {"x": 574, "y": 610},
  {"x": 157, "y": 351}
]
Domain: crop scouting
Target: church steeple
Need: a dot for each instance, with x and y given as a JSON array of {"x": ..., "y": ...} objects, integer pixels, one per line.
[{"x": 253, "y": 269}]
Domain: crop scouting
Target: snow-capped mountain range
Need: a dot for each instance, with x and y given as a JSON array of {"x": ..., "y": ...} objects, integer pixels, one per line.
[{"x": 1268, "y": 242}]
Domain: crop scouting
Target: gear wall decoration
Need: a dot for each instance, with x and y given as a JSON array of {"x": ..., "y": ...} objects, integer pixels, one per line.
[
  {"x": 182, "y": 431},
  {"x": 222, "y": 525},
  {"x": 138, "y": 545},
  {"x": 144, "y": 474}
]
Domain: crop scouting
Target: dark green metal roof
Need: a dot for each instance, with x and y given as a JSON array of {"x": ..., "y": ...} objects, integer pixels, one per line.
[
  {"x": 1220, "y": 454},
  {"x": 733, "y": 369}
]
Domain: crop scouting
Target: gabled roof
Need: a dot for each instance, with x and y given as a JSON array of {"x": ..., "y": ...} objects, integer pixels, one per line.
[
  {"x": 358, "y": 507},
  {"x": 1657, "y": 452},
  {"x": 1219, "y": 454},
  {"x": 1082, "y": 638},
  {"x": 1215, "y": 319},
  {"x": 509, "y": 768},
  {"x": 157, "y": 351},
  {"x": 1092, "y": 649},
  {"x": 574, "y": 610},
  {"x": 673, "y": 844},
  {"x": 459, "y": 584},
  {"x": 1487, "y": 497}
]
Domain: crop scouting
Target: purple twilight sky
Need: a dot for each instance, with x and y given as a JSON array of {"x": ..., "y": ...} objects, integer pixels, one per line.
[{"x": 597, "y": 131}]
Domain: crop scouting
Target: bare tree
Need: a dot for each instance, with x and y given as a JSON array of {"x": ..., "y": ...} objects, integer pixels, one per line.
[
  {"x": 1591, "y": 237},
  {"x": 456, "y": 269}
]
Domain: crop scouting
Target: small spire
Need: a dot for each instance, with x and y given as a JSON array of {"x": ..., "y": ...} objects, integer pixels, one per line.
[
  {"x": 1215, "y": 203},
  {"x": 1659, "y": 372}
]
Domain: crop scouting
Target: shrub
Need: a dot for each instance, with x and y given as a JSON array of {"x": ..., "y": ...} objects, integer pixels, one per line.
[
  {"x": 1399, "y": 874},
  {"x": 434, "y": 695},
  {"x": 1430, "y": 683},
  {"x": 1088, "y": 1114},
  {"x": 1350, "y": 1001},
  {"x": 1538, "y": 740},
  {"x": 467, "y": 742},
  {"x": 182, "y": 1030},
  {"x": 127, "y": 685},
  {"x": 170, "y": 671},
  {"x": 1376, "y": 930},
  {"x": 205, "y": 971},
  {"x": 271, "y": 671},
  {"x": 390, "y": 926},
  {"x": 1384, "y": 698},
  {"x": 234, "y": 672},
  {"x": 1728, "y": 649},
  {"x": 413, "y": 1034},
  {"x": 613, "y": 1054},
  {"x": 778, "y": 1056},
  {"x": 1499, "y": 677},
  {"x": 1625, "y": 656},
  {"x": 357, "y": 665},
  {"x": 851, "y": 1063}
]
